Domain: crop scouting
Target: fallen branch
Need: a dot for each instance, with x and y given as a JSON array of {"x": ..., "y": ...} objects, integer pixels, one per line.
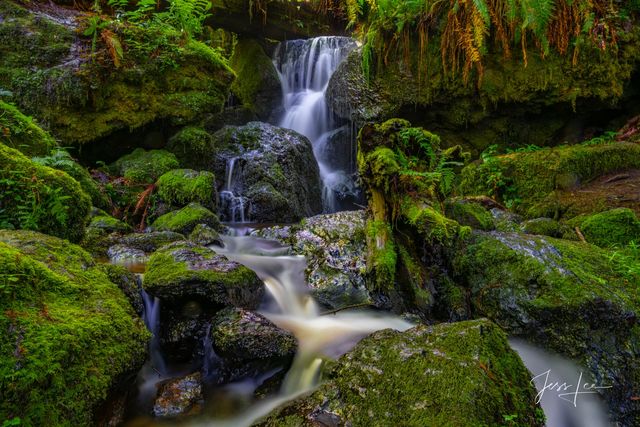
[
  {"x": 580, "y": 235},
  {"x": 364, "y": 304}
]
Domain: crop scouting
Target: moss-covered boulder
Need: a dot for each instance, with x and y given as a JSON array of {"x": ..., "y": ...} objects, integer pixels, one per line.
[
  {"x": 69, "y": 334},
  {"x": 133, "y": 75},
  {"x": 275, "y": 173},
  {"x": 184, "y": 271},
  {"x": 457, "y": 374},
  {"x": 145, "y": 166},
  {"x": 180, "y": 187},
  {"x": 528, "y": 180},
  {"x": 257, "y": 84},
  {"x": 335, "y": 248},
  {"x": 571, "y": 297},
  {"x": 40, "y": 198},
  {"x": 617, "y": 227},
  {"x": 20, "y": 132},
  {"x": 108, "y": 224},
  {"x": 194, "y": 147},
  {"x": 183, "y": 221}
]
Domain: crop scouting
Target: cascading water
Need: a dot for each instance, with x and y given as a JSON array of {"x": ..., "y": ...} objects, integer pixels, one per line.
[
  {"x": 295, "y": 310},
  {"x": 151, "y": 317},
  {"x": 305, "y": 67},
  {"x": 232, "y": 202}
]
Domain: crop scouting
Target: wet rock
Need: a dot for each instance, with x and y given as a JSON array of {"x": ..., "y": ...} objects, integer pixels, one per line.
[
  {"x": 151, "y": 241},
  {"x": 242, "y": 335},
  {"x": 461, "y": 373},
  {"x": 506, "y": 221},
  {"x": 180, "y": 396},
  {"x": 570, "y": 297},
  {"x": 275, "y": 172},
  {"x": 335, "y": 248},
  {"x": 204, "y": 235},
  {"x": 124, "y": 255},
  {"x": 181, "y": 336},
  {"x": 128, "y": 283},
  {"x": 186, "y": 271}
]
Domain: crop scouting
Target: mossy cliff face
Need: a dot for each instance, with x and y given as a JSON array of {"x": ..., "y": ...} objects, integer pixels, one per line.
[
  {"x": 257, "y": 85},
  {"x": 40, "y": 198},
  {"x": 529, "y": 179},
  {"x": 511, "y": 105},
  {"x": 459, "y": 374},
  {"x": 84, "y": 96},
  {"x": 68, "y": 333},
  {"x": 571, "y": 297}
]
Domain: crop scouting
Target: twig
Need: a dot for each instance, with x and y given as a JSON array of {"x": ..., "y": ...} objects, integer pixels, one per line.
[
  {"x": 580, "y": 235},
  {"x": 364, "y": 304}
]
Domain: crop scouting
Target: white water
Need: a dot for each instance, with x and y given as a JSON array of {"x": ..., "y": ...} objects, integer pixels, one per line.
[
  {"x": 319, "y": 337},
  {"x": 305, "y": 67},
  {"x": 233, "y": 203},
  {"x": 588, "y": 410}
]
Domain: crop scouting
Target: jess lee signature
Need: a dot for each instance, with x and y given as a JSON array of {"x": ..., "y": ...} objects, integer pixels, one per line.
[{"x": 568, "y": 392}]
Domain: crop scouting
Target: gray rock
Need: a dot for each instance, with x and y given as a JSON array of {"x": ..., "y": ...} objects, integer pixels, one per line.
[
  {"x": 180, "y": 396},
  {"x": 336, "y": 250}
]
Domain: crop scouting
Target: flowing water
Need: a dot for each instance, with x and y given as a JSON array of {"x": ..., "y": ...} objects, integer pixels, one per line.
[
  {"x": 233, "y": 204},
  {"x": 561, "y": 408},
  {"x": 305, "y": 68}
]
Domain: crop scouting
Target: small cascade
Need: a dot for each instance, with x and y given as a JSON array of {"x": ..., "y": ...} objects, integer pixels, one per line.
[
  {"x": 233, "y": 204},
  {"x": 211, "y": 361},
  {"x": 305, "y": 68},
  {"x": 151, "y": 317}
]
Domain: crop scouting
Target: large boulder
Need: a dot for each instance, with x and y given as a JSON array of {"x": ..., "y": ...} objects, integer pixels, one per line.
[
  {"x": 274, "y": 172},
  {"x": 571, "y": 297},
  {"x": 185, "y": 271},
  {"x": 459, "y": 374},
  {"x": 69, "y": 334},
  {"x": 335, "y": 248},
  {"x": 40, "y": 198},
  {"x": 143, "y": 166}
]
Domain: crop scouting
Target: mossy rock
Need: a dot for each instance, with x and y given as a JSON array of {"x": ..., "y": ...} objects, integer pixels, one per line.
[
  {"x": 109, "y": 224},
  {"x": 185, "y": 271},
  {"x": 40, "y": 198},
  {"x": 543, "y": 227},
  {"x": 143, "y": 166},
  {"x": 204, "y": 235},
  {"x": 180, "y": 187},
  {"x": 530, "y": 178},
  {"x": 571, "y": 297},
  {"x": 469, "y": 213},
  {"x": 453, "y": 374},
  {"x": 69, "y": 332},
  {"x": 194, "y": 147},
  {"x": 20, "y": 132},
  {"x": 257, "y": 84},
  {"x": 617, "y": 227},
  {"x": 84, "y": 100},
  {"x": 183, "y": 221}
]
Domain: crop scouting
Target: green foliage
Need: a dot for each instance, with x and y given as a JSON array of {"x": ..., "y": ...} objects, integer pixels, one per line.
[
  {"x": 35, "y": 197},
  {"x": 20, "y": 132},
  {"x": 69, "y": 333}
]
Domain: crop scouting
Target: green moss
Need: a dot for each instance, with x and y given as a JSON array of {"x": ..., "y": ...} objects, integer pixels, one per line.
[
  {"x": 145, "y": 166},
  {"x": 469, "y": 213},
  {"x": 433, "y": 225},
  {"x": 616, "y": 227},
  {"x": 193, "y": 147},
  {"x": 20, "y": 132},
  {"x": 69, "y": 332},
  {"x": 543, "y": 227},
  {"x": 161, "y": 76},
  {"x": 452, "y": 374},
  {"x": 180, "y": 187},
  {"x": 530, "y": 178},
  {"x": 382, "y": 257},
  {"x": 40, "y": 198},
  {"x": 255, "y": 73},
  {"x": 186, "y": 219},
  {"x": 109, "y": 224},
  {"x": 185, "y": 270}
]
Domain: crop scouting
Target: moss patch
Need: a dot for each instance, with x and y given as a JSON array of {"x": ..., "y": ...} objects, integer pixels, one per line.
[
  {"x": 180, "y": 187},
  {"x": 20, "y": 132},
  {"x": 185, "y": 220},
  {"x": 194, "y": 147},
  {"x": 69, "y": 332},
  {"x": 617, "y": 227},
  {"x": 145, "y": 166}
]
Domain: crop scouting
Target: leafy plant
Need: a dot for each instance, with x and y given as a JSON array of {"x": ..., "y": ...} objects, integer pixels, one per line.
[{"x": 606, "y": 138}]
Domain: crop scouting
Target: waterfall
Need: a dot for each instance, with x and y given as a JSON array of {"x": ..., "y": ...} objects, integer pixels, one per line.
[
  {"x": 319, "y": 337},
  {"x": 151, "y": 317},
  {"x": 305, "y": 67},
  {"x": 233, "y": 204},
  {"x": 211, "y": 361}
]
